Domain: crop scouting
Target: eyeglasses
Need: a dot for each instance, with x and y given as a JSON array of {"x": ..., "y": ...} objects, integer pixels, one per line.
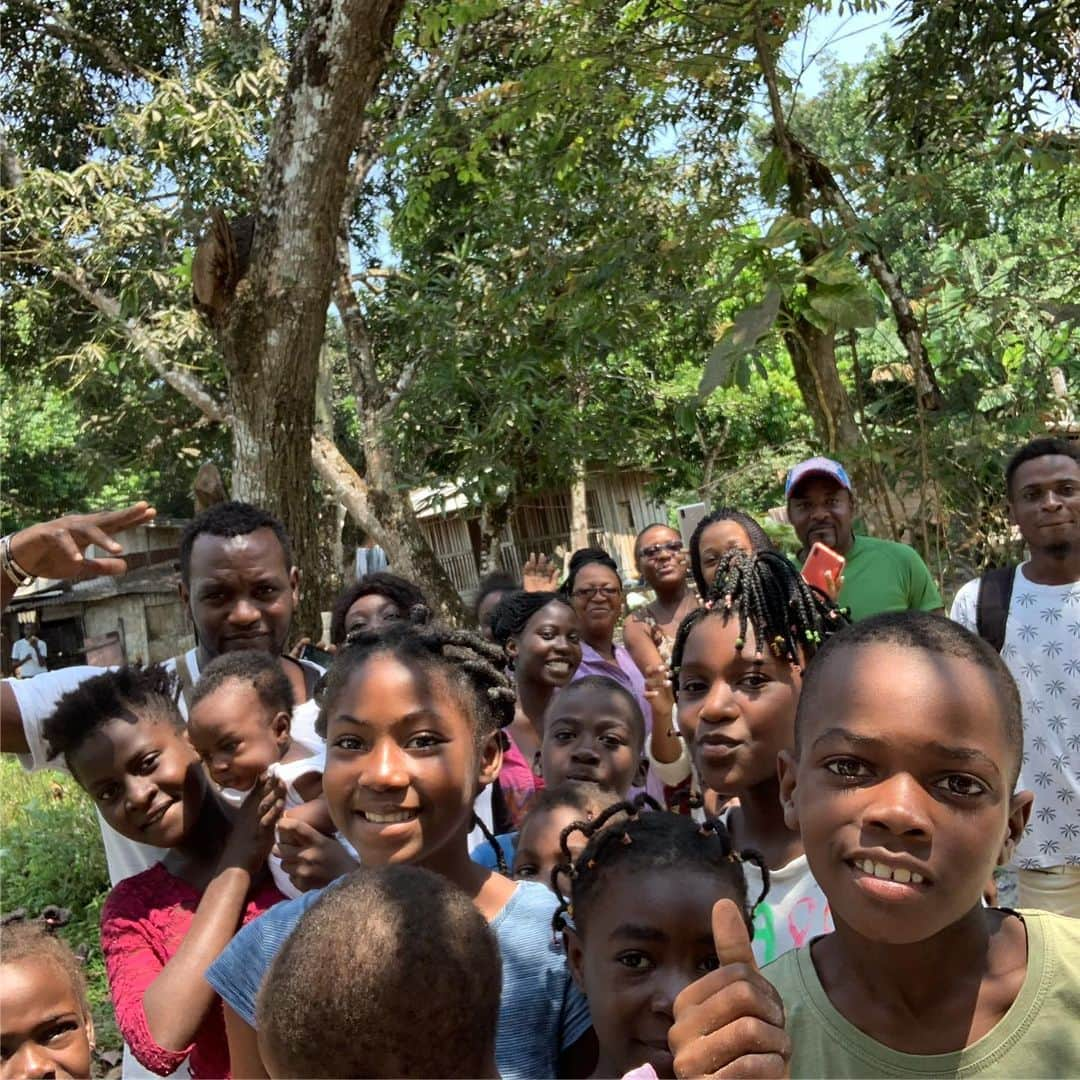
[
  {"x": 587, "y": 592},
  {"x": 651, "y": 552}
]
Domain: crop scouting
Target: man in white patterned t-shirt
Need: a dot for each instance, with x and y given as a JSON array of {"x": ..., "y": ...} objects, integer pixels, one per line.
[{"x": 1041, "y": 645}]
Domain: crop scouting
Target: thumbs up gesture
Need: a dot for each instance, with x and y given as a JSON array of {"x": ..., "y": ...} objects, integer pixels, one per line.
[{"x": 730, "y": 1022}]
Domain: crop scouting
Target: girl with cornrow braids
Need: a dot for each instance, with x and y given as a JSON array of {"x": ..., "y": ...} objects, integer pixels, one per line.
[
  {"x": 737, "y": 667},
  {"x": 542, "y": 638},
  {"x": 413, "y": 720},
  {"x": 638, "y": 923}
]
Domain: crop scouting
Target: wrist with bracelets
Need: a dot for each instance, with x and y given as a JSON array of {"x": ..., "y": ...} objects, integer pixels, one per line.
[{"x": 11, "y": 569}]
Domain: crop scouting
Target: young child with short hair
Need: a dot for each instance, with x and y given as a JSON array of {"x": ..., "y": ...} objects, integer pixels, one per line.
[
  {"x": 638, "y": 922},
  {"x": 738, "y": 664},
  {"x": 336, "y": 1003},
  {"x": 594, "y": 732},
  {"x": 412, "y": 720},
  {"x": 46, "y": 1028},
  {"x": 124, "y": 741},
  {"x": 539, "y": 841},
  {"x": 239, "y": 723},
  {"x": 902, "y": 781}
]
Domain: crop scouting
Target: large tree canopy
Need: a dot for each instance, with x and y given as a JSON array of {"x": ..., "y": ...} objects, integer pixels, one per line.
[{"x": 540, "y": 235}]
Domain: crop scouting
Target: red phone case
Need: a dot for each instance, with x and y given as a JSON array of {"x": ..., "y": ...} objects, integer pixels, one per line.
[{"x": 820, "y": 559}]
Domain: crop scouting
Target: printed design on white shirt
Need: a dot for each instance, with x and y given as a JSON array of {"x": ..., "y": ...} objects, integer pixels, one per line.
[{"x": 1042, "y": 650}]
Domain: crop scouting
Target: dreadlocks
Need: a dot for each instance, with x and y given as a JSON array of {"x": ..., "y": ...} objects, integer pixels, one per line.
[
  {"x": 766, "y": 592},
  {"x": 660, "y": 841}
]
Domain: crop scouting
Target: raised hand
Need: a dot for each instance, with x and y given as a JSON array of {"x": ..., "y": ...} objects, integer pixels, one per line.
[
  {"x": 252, "y": 835},
  {"x": 730, "y": 1022},
  {"x": 539, "y": 574},
  {"x": 55, "y": 549}
]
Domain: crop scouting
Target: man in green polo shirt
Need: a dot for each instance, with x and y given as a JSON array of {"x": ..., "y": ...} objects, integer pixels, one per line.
[{"x": 879, "y": 575}]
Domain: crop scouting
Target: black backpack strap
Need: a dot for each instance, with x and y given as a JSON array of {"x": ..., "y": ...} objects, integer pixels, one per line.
[{"x": 992, "y": 607}]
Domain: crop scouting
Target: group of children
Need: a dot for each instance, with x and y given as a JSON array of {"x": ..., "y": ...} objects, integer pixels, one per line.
[{"x": 828, "y": 922}]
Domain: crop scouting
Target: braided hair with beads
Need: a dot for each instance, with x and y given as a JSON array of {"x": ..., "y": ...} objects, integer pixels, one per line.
[
  {"x": 765, "y": 591},
  {"x": 622, "y": 836},
  {"x": 471, "y": 665}
]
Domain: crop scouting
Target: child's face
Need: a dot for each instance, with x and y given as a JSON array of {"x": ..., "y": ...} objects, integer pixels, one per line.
[
  {"x": 548, "y": 650},
  {"x": 144, "y": 777},
  {"x": 43, "y": 1031},
  {"x": 716, "y": 541},
  {"x": 644, "y": 942},
  {"x": 402, "y": 766},
  {"x": 902, "y": 790},
  {"x": 592, "y": 735},
  {"x": 236, "y": 735},
  {"x": 538, "y": 851},
  {"x": 736, "y": 710}
]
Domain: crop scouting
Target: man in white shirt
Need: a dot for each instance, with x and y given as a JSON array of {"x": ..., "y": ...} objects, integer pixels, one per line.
[
  {"x": 28, "y": 654},
  {"x": 1032, "y": 614}
]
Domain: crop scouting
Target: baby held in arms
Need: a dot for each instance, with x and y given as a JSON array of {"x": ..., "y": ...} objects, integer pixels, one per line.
[{"x": 239, "y": 724}]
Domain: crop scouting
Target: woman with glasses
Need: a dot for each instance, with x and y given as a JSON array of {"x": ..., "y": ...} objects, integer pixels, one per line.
[
  {"x": 595, "y": 589},
  {"x": 649, "y": 635}
]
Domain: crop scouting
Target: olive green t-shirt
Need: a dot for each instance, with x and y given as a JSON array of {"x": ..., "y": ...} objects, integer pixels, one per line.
[
  {"x": 880, "y": 576},
  {"x": 1038, "y": 1037}
]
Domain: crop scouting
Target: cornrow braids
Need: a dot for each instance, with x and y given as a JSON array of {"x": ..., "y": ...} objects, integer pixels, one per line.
[
  {"x": 660, "y": 841},
  {"x": 765, "y": 591},
  {"x": 473, "y": 665},
  {"x": 515, "y": 609}
]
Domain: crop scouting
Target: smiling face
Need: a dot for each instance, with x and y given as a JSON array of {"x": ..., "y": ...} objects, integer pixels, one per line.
[
  {"x": 1044, "y": 502},
  {"x": 821, "y": 510},
  {"x": 144, "y": 777},
  {"x": 645, "y": 943},
  {"x": 902, "y": 790},
  {"x": 660, "y": 557},
  {"x": 593, "y": 734},
  {"x": 598, "y": 598},
  {"x": 240, "y": 592},
  {"x": 736, "y": 710},
  {"x": 371, "y": 613},
  {"x": 43, "y": 1032},
  {"x": 547, "y": 652},
  {"x": 402, "y": 764},
  {"x": 716, "y": 541},
  {"x": 237, "y": 736}
]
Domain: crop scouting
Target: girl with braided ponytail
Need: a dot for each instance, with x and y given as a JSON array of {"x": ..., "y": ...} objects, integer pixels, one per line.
[
  {"x": 412, "y": 720},
  {"x": 542, "y": 638},
  {"x": 638, "y": 923},
  {"x": 738, "y": 664}
]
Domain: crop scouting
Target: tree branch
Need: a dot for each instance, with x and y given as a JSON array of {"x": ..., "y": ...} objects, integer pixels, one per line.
[
  {"x": 183, "y": 382},
  {"x": 907, "y": 326},
  {"x": 58, "y": 27}
]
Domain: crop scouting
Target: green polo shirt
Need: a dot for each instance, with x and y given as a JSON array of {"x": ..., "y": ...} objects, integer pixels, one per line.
[{"x": 880, "y": 575}]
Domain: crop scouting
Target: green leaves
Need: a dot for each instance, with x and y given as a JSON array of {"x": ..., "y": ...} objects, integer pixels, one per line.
[
  {"x": 845, "y": 307},
  {"x": 739, "y": 340}
]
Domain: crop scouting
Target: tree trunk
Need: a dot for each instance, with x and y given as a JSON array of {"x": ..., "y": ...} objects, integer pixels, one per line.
[
  {"x": 273, "y": 330},
  {"x": 579, "y": 509},
  {"x": 493, "y": 519}
]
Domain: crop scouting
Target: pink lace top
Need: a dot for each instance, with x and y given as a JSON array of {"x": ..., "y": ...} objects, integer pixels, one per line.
[{"x": 143, "y": 923}]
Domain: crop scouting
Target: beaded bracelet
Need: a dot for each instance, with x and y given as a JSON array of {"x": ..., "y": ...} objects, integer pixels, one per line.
[{"x": 15, "y": 573}]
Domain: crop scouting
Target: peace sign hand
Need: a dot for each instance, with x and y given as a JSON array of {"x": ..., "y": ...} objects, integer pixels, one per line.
[
  {"x": 55, "y": 549},
  {"x": 730, "y": 1022}
]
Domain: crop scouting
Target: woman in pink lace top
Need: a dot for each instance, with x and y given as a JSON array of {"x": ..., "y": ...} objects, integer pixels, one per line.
[{"x": 123, "y": 740}]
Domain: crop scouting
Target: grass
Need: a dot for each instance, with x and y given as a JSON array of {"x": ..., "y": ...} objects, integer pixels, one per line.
[{"x": 51, "y": 853}]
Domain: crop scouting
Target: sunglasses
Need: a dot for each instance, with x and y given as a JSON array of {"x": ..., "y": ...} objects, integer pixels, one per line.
[{"x": 650, "y": 552}]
